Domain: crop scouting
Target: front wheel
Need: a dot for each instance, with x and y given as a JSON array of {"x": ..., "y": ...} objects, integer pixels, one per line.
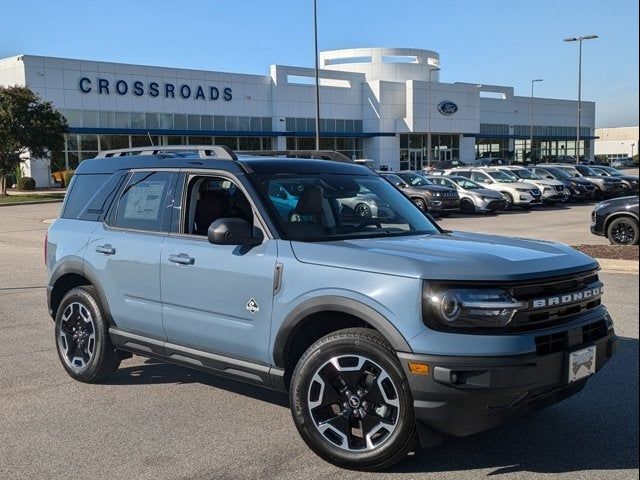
[
  {"x": 82, "y": 337},
  {"x": 351, "y": 401},
  {"x": 421, "y": 204},
  {"x": 623, "y": 231},
  {"x": 509, "y": 198}
]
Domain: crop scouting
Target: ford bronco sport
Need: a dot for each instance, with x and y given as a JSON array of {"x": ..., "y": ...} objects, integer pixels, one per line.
[{"x": 385, "y": 330}]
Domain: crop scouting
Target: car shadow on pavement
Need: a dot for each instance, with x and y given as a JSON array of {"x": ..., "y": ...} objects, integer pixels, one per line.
[
  {"x": 597, "y": 429},
  {"x": 155, "y": 372}
]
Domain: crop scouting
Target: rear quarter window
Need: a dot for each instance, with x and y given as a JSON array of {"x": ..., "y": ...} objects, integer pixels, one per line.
[{"x": 89, "y": 196}]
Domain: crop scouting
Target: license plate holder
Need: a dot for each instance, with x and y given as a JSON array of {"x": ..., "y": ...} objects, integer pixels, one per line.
[{"x": 581, "y": 364}]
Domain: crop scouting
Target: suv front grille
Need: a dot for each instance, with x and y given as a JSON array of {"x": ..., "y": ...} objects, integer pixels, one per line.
[
  {"x": 560, "y": 341},
  {"x": 562, "y": 300}
]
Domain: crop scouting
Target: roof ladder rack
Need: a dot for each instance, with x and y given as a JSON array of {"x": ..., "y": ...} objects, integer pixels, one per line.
[
  {"x": 218, "y": 152},
  {"x": 318, "y": 154}
]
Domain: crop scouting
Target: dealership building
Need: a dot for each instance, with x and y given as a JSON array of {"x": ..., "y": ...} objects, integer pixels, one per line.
[{"x": 375, "y": 103}]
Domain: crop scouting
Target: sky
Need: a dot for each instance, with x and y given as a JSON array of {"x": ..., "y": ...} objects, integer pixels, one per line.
[{"x": 496, "y": 42}]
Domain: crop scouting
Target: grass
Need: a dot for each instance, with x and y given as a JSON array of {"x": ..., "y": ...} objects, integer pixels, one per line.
[{"x": 18, "y": 199}]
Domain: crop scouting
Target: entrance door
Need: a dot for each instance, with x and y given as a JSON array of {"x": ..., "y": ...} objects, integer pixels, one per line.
[
  {"x": 415, "y": 159},
  {"x": 445, "y": 155}
]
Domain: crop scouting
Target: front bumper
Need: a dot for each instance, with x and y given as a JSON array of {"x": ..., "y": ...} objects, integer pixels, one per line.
[
  {"x": 491, "y": 205},
  {"x": 486, "y": 392},
  {"x": 437, "y": 204}
]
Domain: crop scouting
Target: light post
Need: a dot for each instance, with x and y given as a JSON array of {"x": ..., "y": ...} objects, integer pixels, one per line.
[
  {"x": 632, "y": 145},
  {"x": 432, "y": 68},
  {"x": 315, "y": 33},
  {"x": 531, "y": 120},
  {"x": 579, "y": 40}
]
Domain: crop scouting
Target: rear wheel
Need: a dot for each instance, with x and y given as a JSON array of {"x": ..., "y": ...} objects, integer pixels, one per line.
[
  {"x": 82, "y": 337},
  {"x": 623, "y": 231},
  {"x": 351, "y": 401}
]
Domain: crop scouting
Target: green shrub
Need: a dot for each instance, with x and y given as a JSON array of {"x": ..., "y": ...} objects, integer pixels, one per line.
[
  {"x": 26, "y": 183},
  {"x": 67, "y": 176}
]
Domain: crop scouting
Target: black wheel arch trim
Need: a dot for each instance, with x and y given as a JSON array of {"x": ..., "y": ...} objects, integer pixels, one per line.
[
  {"x": 75, "y": 267},
  {"x": 616, "y": 215},
  {"x": 294, "y": 319}
]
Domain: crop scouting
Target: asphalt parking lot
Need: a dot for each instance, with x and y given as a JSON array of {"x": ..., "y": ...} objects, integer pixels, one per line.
[{"x": 157, "y": 421}]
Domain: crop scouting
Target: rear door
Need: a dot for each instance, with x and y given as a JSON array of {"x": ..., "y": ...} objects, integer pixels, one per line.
[{"x": 124, "y": 251}]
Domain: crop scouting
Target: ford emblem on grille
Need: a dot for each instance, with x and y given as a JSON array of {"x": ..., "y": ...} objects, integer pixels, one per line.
[{"x": 447, "y": 107}]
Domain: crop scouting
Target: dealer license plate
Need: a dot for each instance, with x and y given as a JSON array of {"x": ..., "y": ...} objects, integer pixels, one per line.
[{"x": 582, "y": 363}]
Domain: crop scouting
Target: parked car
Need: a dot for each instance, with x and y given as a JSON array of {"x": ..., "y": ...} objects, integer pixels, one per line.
[
  {"x": 384, "y": 333},
  {"x": 553, "y": 191},
  {"x": 617, "y": 219},
  {"x": 490, "y": 161},
  {"x": 517, "y": 194},
  {"x": 578, "y": 188},
  {"x": 427, "y": 196},
  {"x": 630, "y": 181},
  {"x": 622, "y": 162},
  {"x": 606, "y": 187},
  {"x": 473, "y": 196}
]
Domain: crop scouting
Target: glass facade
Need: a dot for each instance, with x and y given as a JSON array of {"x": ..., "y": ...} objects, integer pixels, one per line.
[
  {"x": 351, "y": 147},
  {"x": 327, "y": 125},
  {"x": 413, "y": 149}
]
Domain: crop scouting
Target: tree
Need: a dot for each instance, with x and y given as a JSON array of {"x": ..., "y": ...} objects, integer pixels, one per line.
[{"x": 27, "y": 124}]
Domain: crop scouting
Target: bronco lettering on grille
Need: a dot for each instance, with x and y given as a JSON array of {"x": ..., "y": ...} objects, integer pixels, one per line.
[{"x": 567, "y": 298}]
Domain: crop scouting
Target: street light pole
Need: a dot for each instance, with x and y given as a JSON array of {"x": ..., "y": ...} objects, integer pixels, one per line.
[
  {"x": 579, "y": 40},
  {"x": 432, "y": 68},
  {"x": 531, "y": 120},
  {"x": 315, "y": 32}
]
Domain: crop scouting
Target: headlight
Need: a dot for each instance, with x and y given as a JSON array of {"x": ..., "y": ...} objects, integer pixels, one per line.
[
  {"x": 522, "y": 189},
  {"x": 436, "y": 194},
  {"x": 468, "y": 308}
]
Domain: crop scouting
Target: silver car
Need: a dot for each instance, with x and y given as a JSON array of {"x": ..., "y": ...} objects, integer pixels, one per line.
[
  {"x": 473, "y": 196},
  {"x": 553, "y": 191}
]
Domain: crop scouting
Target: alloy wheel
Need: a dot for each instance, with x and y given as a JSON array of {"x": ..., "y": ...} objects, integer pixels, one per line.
[
  {"x": 623, "y": 233},
  {"x": 353, "y": 403},
  {"x": 77, "y": 336}
]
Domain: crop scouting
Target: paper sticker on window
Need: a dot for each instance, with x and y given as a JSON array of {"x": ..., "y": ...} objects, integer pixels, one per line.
[{"x": 143, "y": 201}]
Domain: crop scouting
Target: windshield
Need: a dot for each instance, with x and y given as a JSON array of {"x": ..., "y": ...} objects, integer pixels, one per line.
[
  {"x": 502, "y": 177},
  {"x": 324, "y": 207},
  {"x": 415, "y": 180},
  {"x": 526, "y": 174},
  {"x": 584, "y": 170},
  {"x": 466, "y": 183},
  {"x": 571, "y": 171},
  {"x": 612, "y": 171},
  {"x": 558, "y": 173}
]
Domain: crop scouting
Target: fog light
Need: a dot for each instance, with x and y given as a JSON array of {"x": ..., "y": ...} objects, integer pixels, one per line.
[{"x": 454, "y": 377}]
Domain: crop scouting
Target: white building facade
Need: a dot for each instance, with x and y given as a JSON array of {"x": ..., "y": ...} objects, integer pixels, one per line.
[
  {"x": 376, "y": 103},
  {"x": 616, "y": 142}
]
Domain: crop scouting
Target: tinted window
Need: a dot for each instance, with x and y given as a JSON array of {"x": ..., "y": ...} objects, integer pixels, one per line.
[
  {"x": 82, "y": 190},
  {"x": 142, "y": 204}
]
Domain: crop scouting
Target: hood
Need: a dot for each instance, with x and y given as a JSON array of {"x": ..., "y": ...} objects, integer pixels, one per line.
[
  {"x": 449, "y": 256},
  {"x": 485, "y": 192},
  {"x": 433, "y": 188},
  {"x": 578, "y": 180},
  {"x": 545, "y": 181},
  {"x": 602, "y": 179}
]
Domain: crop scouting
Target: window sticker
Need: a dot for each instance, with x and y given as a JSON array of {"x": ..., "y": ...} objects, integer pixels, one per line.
[{"x": 143, "y": 201}]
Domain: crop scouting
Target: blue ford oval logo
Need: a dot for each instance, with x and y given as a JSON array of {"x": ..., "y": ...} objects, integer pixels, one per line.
[{"x": 447, "y": 107}]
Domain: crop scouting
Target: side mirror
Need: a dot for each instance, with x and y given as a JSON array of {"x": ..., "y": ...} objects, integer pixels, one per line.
[
  {"x": 401, "y": 184},
  {"x": 233, "y": 231},
  {"x": 487, "y": 181}
]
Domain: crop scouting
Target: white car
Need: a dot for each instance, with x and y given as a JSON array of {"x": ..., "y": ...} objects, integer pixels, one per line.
[
  {"x": 473, "y": 196},
  {"x": 553, "y": 191},
  {"x": 518, "y": 194}
]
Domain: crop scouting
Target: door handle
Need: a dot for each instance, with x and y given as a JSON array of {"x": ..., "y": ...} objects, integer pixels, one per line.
[
  {"x": 107, "y": 249},
  {"x": 182, "y": 259}
]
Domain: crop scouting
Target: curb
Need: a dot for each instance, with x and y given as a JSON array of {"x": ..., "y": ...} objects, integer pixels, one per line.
[
  {"x": 609, "y": 265},
  {"x": 32, "y": 202}
]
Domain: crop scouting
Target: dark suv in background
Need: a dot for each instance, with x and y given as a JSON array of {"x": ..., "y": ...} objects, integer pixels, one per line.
[
  {"x": 617, "y": 219},
  {"x": 425, "y": 194}
]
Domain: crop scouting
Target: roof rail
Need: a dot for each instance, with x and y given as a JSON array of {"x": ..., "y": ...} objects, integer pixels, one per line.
[
  {"x": 319, "y": 154},
  {"x": 221, "y": 152}
]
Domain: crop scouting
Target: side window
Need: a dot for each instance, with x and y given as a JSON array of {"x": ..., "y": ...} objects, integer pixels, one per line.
[
  {"x": 142, "y": 204},
  {"x": 82, "y": 191},
  {"x": 211, "y": 198},
  {"x": 478, "y": 177},
  {"x": 464, "y": 174}
]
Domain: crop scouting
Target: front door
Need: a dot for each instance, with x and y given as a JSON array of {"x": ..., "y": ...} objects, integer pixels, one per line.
[
  {"x": 415, "y": 159},
  {"x": 216, "y": 298}
]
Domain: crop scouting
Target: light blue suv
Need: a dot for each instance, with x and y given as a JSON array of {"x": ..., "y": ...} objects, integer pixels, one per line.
[{"x": 385, "y": 330}]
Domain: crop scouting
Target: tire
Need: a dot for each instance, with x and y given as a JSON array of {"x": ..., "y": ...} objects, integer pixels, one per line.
[
  {"x": 362, "y": 210},
  {"x": 420, "y": 203},
  {"x": 467, "y": 206},
  {"x": 346, "y": 405},
  {"x": 82, "y": 337},
  {"x": 509, "y": 197},
  {"x": 623, "y": 231}
]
